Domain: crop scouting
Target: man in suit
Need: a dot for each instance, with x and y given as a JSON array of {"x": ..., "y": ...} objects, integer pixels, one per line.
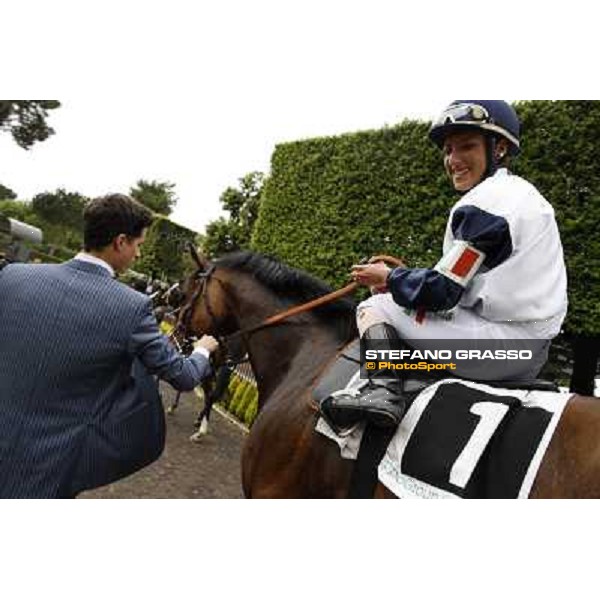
[{"x": 78, "y": 405}]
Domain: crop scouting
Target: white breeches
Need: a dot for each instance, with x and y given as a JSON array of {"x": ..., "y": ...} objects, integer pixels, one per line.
[{"x": 462, "y": 324}]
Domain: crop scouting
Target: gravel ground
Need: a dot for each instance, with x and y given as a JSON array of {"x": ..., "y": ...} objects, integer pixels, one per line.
[{"x": 209, "y": 469}]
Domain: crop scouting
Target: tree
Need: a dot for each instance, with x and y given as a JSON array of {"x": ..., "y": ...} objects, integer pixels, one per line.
[
  {"x": 60, "y": 208},
  {"x": 26, "y": 120},
  {"x": 242, "y": 203},
  {"x": 6, "y": 193},
  {"x": 158, "y": 196},
  {"x": 20, "y": 211}
]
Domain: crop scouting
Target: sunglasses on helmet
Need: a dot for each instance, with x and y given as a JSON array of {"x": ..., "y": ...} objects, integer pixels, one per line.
[{"x": 469, "y": 114}]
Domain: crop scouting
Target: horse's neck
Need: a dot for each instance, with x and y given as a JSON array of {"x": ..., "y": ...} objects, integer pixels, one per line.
[
  {"x": 304, "y": 343},
  {"x": 285, "y": 348}
]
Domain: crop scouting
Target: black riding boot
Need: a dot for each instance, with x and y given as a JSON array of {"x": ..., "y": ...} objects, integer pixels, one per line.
[{"x": 380, "y": 401}]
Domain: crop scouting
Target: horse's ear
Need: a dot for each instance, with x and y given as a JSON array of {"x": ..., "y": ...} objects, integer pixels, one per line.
[{"x": 199, "y": 259}]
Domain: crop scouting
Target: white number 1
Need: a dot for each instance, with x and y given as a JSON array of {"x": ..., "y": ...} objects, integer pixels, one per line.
[{"x": 491, "y": 415}]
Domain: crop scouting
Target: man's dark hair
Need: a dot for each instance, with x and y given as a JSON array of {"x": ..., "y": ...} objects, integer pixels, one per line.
[{"x": 109, "y": 216}]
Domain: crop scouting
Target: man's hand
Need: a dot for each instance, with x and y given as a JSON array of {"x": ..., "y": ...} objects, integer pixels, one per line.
[{"x": 207, "y": 342}]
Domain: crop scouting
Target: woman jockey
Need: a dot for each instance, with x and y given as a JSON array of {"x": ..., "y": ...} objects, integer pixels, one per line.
[{"x": 502, "y": 275}]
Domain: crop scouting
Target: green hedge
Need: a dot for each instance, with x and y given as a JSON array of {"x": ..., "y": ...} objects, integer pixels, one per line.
[
  {"x": 561, "y": 159},
  {"x": 234, "y": 382},
  {"x": 241, "y": 399},
  {"x": 330, "y": 201}
]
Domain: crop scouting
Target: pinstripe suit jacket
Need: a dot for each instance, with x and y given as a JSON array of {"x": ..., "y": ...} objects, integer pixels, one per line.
[{"x": 78, "y": 406}]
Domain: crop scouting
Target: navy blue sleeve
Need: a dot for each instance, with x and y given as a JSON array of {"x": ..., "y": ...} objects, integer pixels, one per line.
[
  {"x": 423, "y": 288},
  {"x": 488, "y": 233},
  {"x": 430, "y": 290}
]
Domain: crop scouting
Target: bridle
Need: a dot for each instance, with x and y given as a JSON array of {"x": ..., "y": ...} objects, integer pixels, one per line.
[
  {"x": 182, "y": 331},
  {"x": 201, "y": 277}
]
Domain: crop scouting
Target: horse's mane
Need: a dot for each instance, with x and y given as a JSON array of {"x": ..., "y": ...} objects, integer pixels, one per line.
[{"x": 295, "y": 287}]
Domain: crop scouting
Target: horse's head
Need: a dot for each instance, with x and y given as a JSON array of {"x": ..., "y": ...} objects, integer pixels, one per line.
[{"x": 205, "y": 309}]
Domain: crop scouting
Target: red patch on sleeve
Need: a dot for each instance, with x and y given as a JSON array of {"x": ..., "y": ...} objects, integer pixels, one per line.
[{"x": 465, "y": 263}]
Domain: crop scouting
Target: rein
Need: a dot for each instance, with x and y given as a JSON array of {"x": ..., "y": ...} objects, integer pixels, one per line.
[
  {"x": 297, "y": 310},
  {"x": 203, "y": 277}
]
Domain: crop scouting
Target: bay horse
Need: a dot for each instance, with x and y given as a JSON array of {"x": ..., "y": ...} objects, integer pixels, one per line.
[{"x": 284, "y": 457}]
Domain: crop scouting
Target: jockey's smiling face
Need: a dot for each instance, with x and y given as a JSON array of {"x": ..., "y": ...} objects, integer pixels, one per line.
[{"x": 465, "y": 159}]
